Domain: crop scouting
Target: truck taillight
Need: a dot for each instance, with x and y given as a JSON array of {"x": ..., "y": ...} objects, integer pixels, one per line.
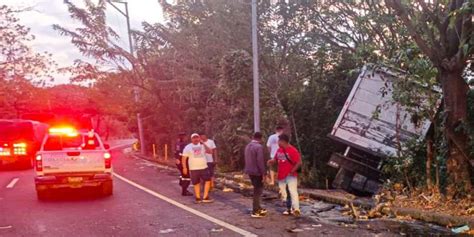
[
  {"x": 39, "y": 163},
  {"x": 108, "y": 160},
  {"x": 19, "y": 148}
]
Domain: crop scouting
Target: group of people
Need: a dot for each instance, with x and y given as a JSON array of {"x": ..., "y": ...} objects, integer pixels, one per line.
[
  {"x": 285, "y": 158},
  {"x": 196, "y": 163}
]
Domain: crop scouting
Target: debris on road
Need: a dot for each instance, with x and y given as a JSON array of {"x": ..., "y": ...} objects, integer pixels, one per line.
[
  {"x": 167, "y": 231},
  {"x": 217, "y": 230},
  {"x": 323, "y": 207},
  {"x": 226, "y": 190},
  {"x": 295, "y": 230},
  {"x": 460, "y": 229}
]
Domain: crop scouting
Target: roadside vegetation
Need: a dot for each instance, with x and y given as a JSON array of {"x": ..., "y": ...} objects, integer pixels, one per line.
[{"x": 194, "y": 74}]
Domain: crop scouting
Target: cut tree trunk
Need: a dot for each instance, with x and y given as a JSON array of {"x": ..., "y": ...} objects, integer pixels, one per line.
[{"x": 455, "y": 91}]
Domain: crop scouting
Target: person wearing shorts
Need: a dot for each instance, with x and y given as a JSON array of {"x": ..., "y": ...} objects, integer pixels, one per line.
[
  {"x": 195, "y": 154},
  {"x": 272, "y": 145},
  {"x": 211, "y": 158}
]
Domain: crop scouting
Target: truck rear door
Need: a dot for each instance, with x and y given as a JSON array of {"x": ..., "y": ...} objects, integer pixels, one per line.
[{"x": 71, "y": 154}]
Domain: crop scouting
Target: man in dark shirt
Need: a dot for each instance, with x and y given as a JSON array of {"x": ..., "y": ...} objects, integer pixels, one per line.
[
  {"x": 255, "y": 168},
  {"x": 184, "y": 179}
]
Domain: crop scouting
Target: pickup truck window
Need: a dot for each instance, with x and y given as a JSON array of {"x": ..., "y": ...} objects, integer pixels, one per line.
[{"x": 57, "y": 143}]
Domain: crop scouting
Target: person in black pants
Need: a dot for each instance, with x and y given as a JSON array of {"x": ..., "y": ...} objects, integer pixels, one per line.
[
  {"x": 255, "y": 168},
  {"x": 184, "y": 179}
]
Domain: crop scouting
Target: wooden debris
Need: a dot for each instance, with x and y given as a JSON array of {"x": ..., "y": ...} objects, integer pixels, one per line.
[{"x": 355, "y": 213}]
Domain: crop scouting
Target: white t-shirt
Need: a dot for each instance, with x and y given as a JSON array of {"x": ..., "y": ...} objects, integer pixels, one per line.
[
  {"x": 212, "y": 145},
  {"x": 196, "y": 155},
  {"x": 273, "y": 144}
]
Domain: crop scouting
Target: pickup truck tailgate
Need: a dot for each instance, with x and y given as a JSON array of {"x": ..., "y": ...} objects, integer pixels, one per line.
[{"x": 73, "y": 161}]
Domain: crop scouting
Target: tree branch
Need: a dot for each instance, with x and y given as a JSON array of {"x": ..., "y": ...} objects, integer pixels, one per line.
[{"x": 402, "y": 13}]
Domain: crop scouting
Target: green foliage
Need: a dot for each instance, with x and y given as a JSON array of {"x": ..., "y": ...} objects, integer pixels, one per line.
[
  {"x": 409, "y": 168},
  {"x": 470, "y": 127},
  {"x": 194, "y": 71},
  {"x": 17, "y": 59}
]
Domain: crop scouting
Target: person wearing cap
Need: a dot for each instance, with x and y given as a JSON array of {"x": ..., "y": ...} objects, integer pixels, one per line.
[
  {"x": 212, "y": 157},
  {"x": 195, "y": 154},
  {"x": 184, "y": 179}
]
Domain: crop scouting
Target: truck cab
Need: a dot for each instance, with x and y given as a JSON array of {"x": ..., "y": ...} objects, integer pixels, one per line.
[{"x": 73, "y": 159}]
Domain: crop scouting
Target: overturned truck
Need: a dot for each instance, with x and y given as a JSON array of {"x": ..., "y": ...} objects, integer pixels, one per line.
[{"x": 372, "y": 126}]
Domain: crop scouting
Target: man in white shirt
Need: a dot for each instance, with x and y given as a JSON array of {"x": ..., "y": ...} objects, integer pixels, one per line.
[
  {"x": 272, "y": 145},
  {"x": 195, "y": 154},
  {"x": 211, "y": 158}
]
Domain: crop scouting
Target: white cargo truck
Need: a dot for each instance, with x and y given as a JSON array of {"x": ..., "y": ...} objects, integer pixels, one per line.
[{"x": 372, "y": 126}]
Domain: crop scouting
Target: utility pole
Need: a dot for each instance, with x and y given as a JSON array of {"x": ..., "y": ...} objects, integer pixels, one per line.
[
  {"x": 256, "y": 90},
  {"x": 135, "y": 88}
]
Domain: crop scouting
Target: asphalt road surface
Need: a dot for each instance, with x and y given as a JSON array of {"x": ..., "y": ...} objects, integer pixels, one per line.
[{"x": 146, "y": 202}]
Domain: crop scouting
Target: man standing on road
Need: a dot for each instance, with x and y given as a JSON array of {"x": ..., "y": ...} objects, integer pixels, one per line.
[
  {"x": 272, "y": 145},
  {"x": 184, "y": 179},
  {"x": 255, "y": 168},
  {"x": 195, "y": 154},
  {"x": 289, "y": 160},
  {"x": 211, "y": 158}
]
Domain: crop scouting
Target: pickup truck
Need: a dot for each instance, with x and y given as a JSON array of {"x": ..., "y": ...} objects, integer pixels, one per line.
[{"x": 73, "y": 159}]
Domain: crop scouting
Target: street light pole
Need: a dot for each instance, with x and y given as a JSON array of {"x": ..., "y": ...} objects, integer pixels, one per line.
[
  {"x": 256, "y": 90},
  {"x": 135, "y": 88}
]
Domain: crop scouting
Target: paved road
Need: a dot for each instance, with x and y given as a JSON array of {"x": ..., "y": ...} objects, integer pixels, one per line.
[{"x": 145, "y": 203}]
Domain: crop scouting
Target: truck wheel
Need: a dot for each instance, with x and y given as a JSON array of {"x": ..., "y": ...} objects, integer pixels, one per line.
[
  {"x": 107, "y": 188},
  {"x": 42, "y": 194}
]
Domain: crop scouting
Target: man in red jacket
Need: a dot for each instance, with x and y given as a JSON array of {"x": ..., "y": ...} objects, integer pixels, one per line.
[{"x": 289, "y": 160}]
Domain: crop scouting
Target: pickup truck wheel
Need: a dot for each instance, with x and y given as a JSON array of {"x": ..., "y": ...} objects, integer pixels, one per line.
[
  {"x": 42, "y": 194},
  {"x": 107, "y": 188}
]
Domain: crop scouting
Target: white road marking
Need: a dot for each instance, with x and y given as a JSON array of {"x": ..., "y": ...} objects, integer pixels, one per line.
[
  {"x": 13, "y": 182},
  {"x": 186, "y": 208}
]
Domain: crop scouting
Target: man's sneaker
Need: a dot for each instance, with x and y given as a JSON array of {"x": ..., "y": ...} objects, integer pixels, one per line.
[
  {"x": 186, "y": 193},
  {"x": 287, "y": 212},
  {"x": 258, "y": 214},
  {"x": 297, "y": 213},
  {"x": 207, "y": 200},
  {"x": 198, "y": 200},
  {"x": 263, "y": 211}
]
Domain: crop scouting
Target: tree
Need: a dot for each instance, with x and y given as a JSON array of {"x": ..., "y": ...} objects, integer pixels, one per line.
[
  {"x": 21, "y": 69},
  {"x": 443, "y": 30},
  {"x": 17, "y": 58}
]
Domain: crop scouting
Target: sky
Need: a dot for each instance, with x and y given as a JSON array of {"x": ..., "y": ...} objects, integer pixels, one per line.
[{"x": 45, "y": 13}]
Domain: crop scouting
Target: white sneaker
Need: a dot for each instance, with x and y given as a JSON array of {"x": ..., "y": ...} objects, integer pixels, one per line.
[{"x": 288, "y": 212}]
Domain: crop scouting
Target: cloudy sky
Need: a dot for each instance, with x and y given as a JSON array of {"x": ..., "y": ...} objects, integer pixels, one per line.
[{"x": 45, "y": 13}]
